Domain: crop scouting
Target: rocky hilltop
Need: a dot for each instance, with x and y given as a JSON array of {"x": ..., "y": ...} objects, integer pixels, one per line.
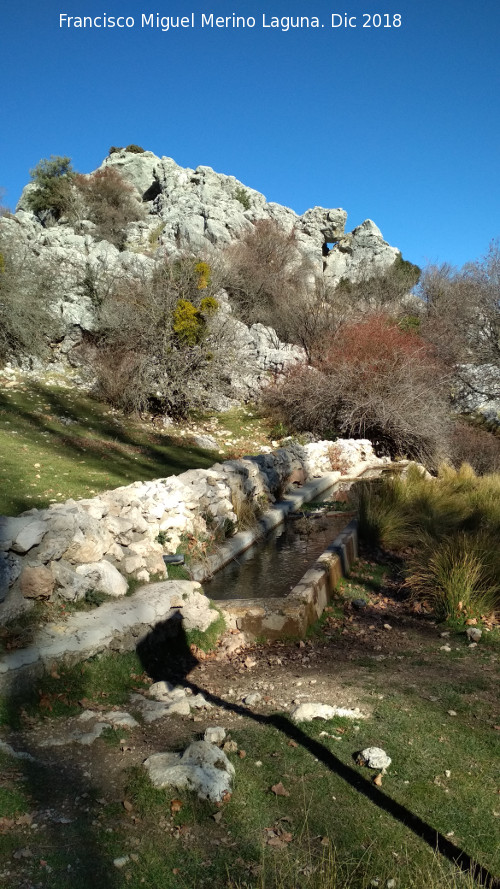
[
  {"x": 195, "y": 211},
  {"x": 181, "y": 212},
  {"x": 201, "y": 208}
]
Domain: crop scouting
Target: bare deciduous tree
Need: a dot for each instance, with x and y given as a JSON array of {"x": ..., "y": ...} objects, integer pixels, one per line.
[
  {"x": 462, "y": 320},
  {"x": 29, "y": 287},
  {"x": 142, "y": 356}
]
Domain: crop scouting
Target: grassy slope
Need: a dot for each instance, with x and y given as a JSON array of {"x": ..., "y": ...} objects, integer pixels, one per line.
[{"x": 57, "y": 443}]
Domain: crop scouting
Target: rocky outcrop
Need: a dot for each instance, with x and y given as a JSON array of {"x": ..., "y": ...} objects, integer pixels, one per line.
[
  {"x": 194, "y": 212},
  {"x": 359, "y": 255}
]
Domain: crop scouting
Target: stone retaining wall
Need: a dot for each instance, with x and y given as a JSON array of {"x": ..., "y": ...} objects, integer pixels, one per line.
[{"x": 98, "y": 544}]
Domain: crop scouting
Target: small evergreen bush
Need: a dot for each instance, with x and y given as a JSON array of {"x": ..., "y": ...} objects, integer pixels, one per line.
[
  {"x": 243, "y": 197},
  {"x": 52, "y": 177}
]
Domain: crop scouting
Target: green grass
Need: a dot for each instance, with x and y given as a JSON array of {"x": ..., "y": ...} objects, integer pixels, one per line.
[
  {"x": 361, "y": 842},
  {"x": 14, "y": 799},
  {"x": 447, "y": 531},
  {"x": 106, "y": 679},
  {"x": 178, "y": 572},
  {"x": 207, "y": 640},
  {"x": 336, "y": 838},
  {"x": 58, "y": 443},
  {"x": 247, "y": 420}
]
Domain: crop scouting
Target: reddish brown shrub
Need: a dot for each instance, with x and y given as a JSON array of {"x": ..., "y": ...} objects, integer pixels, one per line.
[
  {"x": 111, "y": 203},
  {"x": 373, "y": 381}
]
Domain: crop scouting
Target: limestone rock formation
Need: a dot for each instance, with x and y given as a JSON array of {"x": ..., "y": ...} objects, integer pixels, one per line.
[
  {"x": 186, "y": 212},
  {"x": 191, "y": 211}
]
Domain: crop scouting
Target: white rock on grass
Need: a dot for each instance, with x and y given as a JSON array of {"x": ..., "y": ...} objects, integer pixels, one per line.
[
  {"x": 202, "y": 768},
  {"x": 120, "y": 719},
  {"x": 374, "y": 758},
  {"x": 151, "y": 711},
  {"x": 214, "y": 734},
  {"x": 307, "y": 712},
  {"x": 165, "y": 691}
]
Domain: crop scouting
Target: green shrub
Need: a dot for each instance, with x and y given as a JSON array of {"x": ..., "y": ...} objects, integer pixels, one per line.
[
  {"x": 243, "y": 197},
  {"x": 203, "y": 270},
  {"x": 135, "y": 149},
  {"x": 408, "y": 272},
  {"x": 456, "y": 576},
  {"x": 410, "y": 324},
  {"x": 187, "y": 323},
  {"x": 114, "y": 150},
  {"x": 209, "y": 306},
  {"x": 52, "y": 178}
]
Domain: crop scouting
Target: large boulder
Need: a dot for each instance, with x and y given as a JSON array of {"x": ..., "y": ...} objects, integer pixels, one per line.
[{"x": 104, "y": 577}]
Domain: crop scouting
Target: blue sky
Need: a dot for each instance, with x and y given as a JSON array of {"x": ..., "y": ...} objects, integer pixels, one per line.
[{"x": 400, "y": 125}]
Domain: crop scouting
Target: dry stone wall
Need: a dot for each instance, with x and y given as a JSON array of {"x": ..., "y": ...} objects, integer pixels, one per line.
[{"x": 71, "y": 548}]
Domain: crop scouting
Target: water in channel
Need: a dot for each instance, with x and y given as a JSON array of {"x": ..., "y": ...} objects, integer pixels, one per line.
[{"x": 272, "y": 567}]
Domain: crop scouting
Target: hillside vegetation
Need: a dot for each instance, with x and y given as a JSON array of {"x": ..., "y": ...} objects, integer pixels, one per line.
[{"x": 155, "y": 305}]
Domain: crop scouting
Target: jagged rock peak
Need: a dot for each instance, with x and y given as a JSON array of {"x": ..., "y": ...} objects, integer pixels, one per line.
[{"x": 195, "y": 211}]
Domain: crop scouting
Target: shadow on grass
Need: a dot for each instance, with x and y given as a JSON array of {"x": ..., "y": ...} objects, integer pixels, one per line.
[
  {"x": 165, "y": 655},
  {"x": 61, "y": 799},
  {"x": 78, "y": 428}
]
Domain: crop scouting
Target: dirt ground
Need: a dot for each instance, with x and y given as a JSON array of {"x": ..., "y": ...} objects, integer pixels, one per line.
[
  {"x": 355, "y": 657},
  {"x": 351, "y": 660}
]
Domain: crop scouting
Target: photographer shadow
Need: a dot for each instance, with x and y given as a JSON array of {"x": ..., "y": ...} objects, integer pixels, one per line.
[{"x": 166, "y": 655}]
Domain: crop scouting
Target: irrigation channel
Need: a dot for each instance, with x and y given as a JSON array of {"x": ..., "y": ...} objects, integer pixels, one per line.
[{"x": 275, "y": 563}]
